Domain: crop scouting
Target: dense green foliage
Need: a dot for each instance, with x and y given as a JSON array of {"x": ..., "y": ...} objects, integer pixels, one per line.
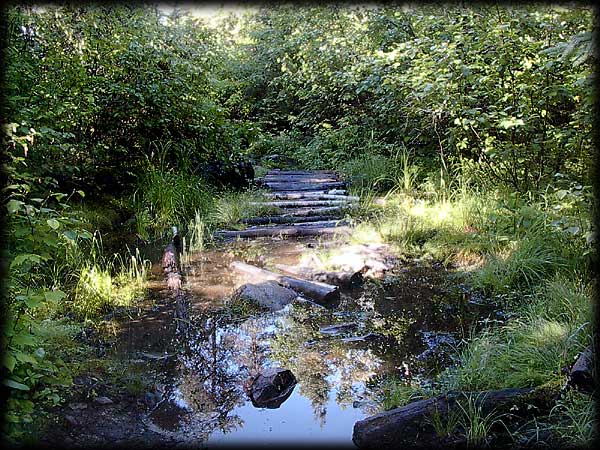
[{"x": 476, "y": 123}]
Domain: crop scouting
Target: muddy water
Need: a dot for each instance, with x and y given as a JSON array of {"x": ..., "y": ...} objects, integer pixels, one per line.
[{"x": 403, "y": 326}]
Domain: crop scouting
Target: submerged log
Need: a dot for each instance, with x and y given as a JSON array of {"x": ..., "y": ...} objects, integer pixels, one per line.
[
  {"x": 282, "y": 231},
  {"x": 286, "y": 219},
  {"x": 412, "y": 425},
  {"x": 320, "y": 292},
  {"x": 341, "y": 279},
  {"x": 295, "y": 186}
]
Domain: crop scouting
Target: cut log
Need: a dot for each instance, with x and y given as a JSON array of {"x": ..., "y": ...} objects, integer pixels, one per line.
[
  {"x": 286, "y": 219},
  {"x": 303, "y": 212},
  {"x": 299, "y": 172},
  {"x": 268, "y": 294},
  {"x": 320, "y": 292},
  {"x": 580, "y": 375},
  {"x": 411, "y": 425},
  {"x": 300, "y": 203},
  {"x": 314, "y": 178},
  {"x": 323, "y": 223},
  {"x": 282, "y": 231},
  {"x": 305, "y": 186},
  {"x": 309, "y": 195},
  {"x": 341, "y": 279}
]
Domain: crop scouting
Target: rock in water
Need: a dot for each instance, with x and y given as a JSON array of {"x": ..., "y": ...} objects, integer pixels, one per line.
[
  {"x": 268, "y": 294},
  {"x": 271, "y": 388}
]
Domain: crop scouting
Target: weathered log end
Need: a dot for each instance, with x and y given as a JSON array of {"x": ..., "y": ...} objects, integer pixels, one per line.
[{"x": 581, "y": 374}]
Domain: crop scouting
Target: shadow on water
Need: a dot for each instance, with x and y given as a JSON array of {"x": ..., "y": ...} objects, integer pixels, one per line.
[{"x": 404, "y": 326}]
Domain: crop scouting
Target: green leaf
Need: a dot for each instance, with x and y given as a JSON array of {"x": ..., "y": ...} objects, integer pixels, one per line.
[
  {"x": 54, "y": 296},
  {"x": 20, "y": 259},
  {"x": 25, "y": 358},
  {"x": 9, "y": 362},
  {"x": 33, "y": 301},
  {"x": 15, "y": 384},
  {"x": 53, "y": 223},
  {"x": 13, "y": 206}
]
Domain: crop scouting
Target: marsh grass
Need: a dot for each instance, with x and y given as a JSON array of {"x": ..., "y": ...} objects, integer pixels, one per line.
[{"x": 476, "y": 423}]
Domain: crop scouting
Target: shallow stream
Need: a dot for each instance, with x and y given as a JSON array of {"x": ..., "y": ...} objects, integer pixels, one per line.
[{"x": 403, "y": 326}]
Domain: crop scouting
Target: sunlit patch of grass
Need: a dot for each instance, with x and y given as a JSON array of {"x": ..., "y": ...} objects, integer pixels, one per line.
[
  {"x": 397, "y": 393},
  {"x": 524, "y": 264},
  {"x": 366, "y": 233},
  {"x": 232, "y": 207},
  {"x": 105, "y": 285}
]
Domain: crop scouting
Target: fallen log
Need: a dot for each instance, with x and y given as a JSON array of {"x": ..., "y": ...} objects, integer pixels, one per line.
[
  {"x": 300, "y": 203},
  {"x": 320, "y": 292},
  {"x": 286, "y": 219},
  {"x": 341, "y": 279},
  {"x": 580, "y": 374},
  {"x": 170, "y": 258},
  {"x": 304, "y": 186},
  {"x": 282, "y": 231},
  {"x": 412, "y": 425}
]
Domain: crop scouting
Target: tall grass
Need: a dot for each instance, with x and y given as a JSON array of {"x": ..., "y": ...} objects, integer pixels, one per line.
[
  {"x": 109, "y": 283},
  {"x": 165, "y": 198},
  {"x": 231, "y": 208}
]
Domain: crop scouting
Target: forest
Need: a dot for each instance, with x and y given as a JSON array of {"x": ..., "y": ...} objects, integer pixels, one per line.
[{"x": 465, "y": 134}]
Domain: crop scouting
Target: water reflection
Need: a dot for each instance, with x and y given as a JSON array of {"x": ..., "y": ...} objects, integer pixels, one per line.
[{"x": 398, "y": 326}]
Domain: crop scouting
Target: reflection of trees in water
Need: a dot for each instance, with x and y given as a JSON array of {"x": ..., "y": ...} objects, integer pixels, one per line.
[
  {"x": 209, "y": 383},
  {"x": 321, "y": 363}
]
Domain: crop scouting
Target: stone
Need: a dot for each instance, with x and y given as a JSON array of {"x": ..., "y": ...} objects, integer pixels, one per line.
[
  {"x": 103, "y": 400},
  {"x": 271, "y": 388},
  {"x": 268, "y": 294},
  {"x": 335, "y": 330}
]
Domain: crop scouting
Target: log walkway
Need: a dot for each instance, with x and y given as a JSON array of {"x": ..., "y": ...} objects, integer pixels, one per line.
[{"x": 308, "y": 203}]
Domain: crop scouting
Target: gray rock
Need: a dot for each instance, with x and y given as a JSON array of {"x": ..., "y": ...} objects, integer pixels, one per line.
[
  {"x": 271, "y": 388},
  {"x": 335, "y": 330},
  {"x": 267, "y": 294},
  {"x": 103, "y": 400},
  {"x": 71, "y": 420}
]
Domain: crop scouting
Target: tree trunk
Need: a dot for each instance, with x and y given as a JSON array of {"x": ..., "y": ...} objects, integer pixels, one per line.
[{"x": 320, "y": 292}]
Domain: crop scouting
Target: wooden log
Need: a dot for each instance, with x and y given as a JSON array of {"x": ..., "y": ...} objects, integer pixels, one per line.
[
  {"x": 282, "y": 231},
  {"x": 300, "y": 177},
  {"x": 302, "y": 212},
  {"x": 305, "y": 186},
  {"x": 320, "y": 292},
  {"x": 298, "y": 172},
  {"x": 411, "y": 425},
  {"x": 309, "y": 195},
  {"x": 341, "y": 279},
  {"x": 313, "y": 223},
  {"x": 300, "y": 203},
  {"x": 286, "y": 219},
  {"x": 580, "y": 374}
]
